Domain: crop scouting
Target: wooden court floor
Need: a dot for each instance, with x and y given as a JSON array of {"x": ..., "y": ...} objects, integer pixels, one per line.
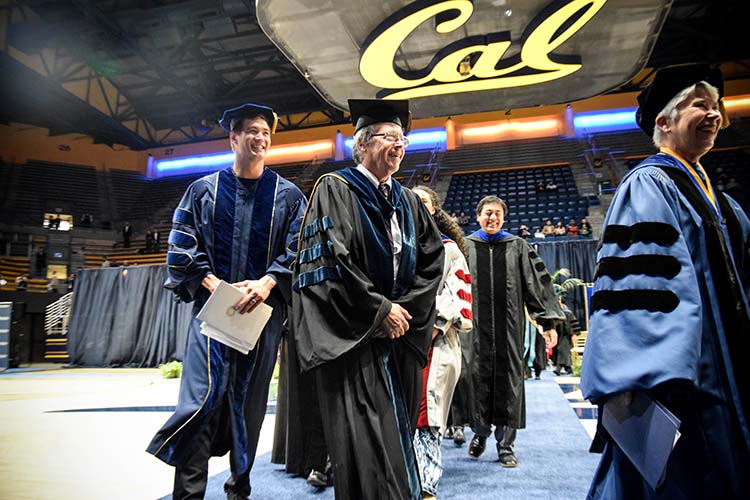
[{"x": 77, "y": 434}]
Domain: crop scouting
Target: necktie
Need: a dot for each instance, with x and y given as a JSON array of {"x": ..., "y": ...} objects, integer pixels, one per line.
[{"x": 385, "y": 189}]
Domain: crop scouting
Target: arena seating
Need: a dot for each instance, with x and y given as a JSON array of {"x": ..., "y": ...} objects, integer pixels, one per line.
[
  {"x": 517, "y": 187},
  {"x": 41, "y": 187}
]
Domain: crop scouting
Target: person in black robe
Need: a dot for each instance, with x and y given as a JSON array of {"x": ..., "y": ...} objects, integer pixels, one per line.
[
  {"x": 567, "y": 332},
  {"x": 370, "y": 263},
  {"x": 239, "y": 225},
  {"x": 508, "y": 275}
]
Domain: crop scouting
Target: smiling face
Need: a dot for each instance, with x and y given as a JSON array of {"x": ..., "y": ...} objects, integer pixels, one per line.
[
  {"x": 426, "y": 199},
  {"x": 491, "y": 218},
  {"x": 252, "y": 141},
  {"x": 693, "y": 132},
  {"x": 381, "y": 157}
]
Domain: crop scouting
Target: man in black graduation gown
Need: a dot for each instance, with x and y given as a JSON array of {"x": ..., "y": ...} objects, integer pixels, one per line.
[
  {"x": 508, "y": 275},
  {"x": 367, "y": 275}
]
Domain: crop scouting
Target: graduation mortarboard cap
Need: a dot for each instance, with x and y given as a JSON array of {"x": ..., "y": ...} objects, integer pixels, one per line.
[
  {"x": 233, "y": 115},
  {"x": 368, "y": 111},
  {"x": 667, "y": 83}
]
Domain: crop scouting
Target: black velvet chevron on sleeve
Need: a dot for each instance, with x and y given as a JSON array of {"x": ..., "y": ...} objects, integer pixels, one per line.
[
  {"x": 665, "y": 266},
  {"x": 642, "y": 232},
  {"x": 621, "y": 300}
]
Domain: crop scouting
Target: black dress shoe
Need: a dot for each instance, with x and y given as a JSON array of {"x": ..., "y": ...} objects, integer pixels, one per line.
[
  {"x": 477, "y": 446},
  {"x": 458, "y": 436},
  {"x": 449, "y": 432},
  {"x": 508, "y": 461},
  {"x": 317, "y": 479}
]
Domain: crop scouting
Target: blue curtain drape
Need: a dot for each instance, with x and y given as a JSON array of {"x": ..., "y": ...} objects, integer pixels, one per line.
[{"x": 124, "y": 317}]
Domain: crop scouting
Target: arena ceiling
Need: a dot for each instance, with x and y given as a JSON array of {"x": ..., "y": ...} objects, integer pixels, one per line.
[{"x": 145, "y": 73}]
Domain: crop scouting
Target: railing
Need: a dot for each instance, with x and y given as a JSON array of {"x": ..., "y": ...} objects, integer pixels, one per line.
[
  {"x": 56, "y": 318},
  {"x": 57, "y": 315}
]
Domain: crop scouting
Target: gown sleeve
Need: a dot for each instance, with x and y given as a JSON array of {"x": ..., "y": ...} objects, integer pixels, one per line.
[
  {"x": 454, "y": 300},
  {"x": 281, "y": 267},
  {"x": 187, "y": 260},
  {"x": 646, "y": 304},
  {"x": 538, "y": 292},
  {"x": 335, "y": 304}
]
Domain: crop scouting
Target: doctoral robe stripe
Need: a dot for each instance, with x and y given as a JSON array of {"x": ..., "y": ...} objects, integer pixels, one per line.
[
  {"x": 317, "y": 226},
  {"x": 318, "y": 275},
  {"x": 184, "y": 217},
  {"x": 620, "y": 300},
  {"x": 315, "y": 252},
  {"x": 642, "y": 232},
  {"x": 665, "y": 266}
]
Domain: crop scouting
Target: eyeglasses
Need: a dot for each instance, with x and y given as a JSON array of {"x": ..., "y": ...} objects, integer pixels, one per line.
[{"x": 388, "y": 137}]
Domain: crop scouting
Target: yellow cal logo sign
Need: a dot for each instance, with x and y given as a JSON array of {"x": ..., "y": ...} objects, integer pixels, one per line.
[{"x": 534, "y": 64}]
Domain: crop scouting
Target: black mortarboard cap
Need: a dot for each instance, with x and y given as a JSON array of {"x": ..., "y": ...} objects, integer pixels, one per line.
[
  {"x": 667, "y": 83},
  {"x": 368, "y": 111},
  {"x": 249, "y": 110}
]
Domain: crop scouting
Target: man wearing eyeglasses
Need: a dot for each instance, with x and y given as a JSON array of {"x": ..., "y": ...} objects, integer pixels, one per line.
[{"x": 367, "y": 274}]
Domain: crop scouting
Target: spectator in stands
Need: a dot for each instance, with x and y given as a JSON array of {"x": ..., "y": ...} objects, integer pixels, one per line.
[
  {"x": 584, "y": 228},
  {"x": 53, "y": 285},
  {"x": 127, "y": 232},
  {"x": 551, "y": 186},
  {"x": 524, "y": 232},
  {"x": 538, "y": 233},
  {"x": 3, "y": 281},
  {"x": 572, "y": 229},
  {"x": 670, "y": 308},
  {"x": 454, "y": 217},
  {"x": 41, "y": 261},
  {"x": 548, "y": 229},
  {"x": 22, "y": 282},
  {"x": 87, "y": 220},
  {"x": 463, "y": 219},
  {"x": 560, "y": 229},
  {"x": 239, "y": 225},
  {"x": 155, "y": 241},
  {"x": 149, "y": 241},
  {"x": 71, "y": 281},
  {"x": 106, "y": 262},
  {"x": 507, "y": 274},
  {"x": 541, "y": 186}
]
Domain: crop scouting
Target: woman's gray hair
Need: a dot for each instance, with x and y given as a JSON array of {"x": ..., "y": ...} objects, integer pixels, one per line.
[
  {"x": 671, "y": 112},
  {"x": 363, "y": 136}
]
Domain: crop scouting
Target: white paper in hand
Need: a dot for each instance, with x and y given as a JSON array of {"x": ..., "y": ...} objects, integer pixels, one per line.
[{"x": 222, "y": 323}]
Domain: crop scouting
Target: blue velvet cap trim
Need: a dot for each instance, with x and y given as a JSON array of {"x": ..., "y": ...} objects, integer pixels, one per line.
[
  {"x": 182, "y": 239},
  {"x": 323, "y": 273},
  {"x": 317, "y": 226},
  {"x": 316, "y": 251},
  {"x": 182, "y": 216}
]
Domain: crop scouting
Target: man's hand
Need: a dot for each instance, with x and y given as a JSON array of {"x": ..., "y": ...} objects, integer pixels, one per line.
[
  {"x": 210, "y": 282},
  {"x": 396, "y": 324},
  {"x": 550, "y": 338},
  {"x": 256, "y": 291}
]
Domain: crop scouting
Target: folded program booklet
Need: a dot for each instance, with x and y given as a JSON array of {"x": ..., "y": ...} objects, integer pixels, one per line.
[
  {"x": 645, "y": 430},
  {"x": 222, "y": 323}
]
